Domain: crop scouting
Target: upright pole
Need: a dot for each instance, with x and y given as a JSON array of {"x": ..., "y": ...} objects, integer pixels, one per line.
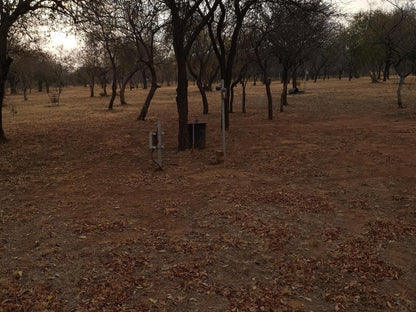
[
  {"x": 159, "y": 143},
  {"x": 223, "y": 93}
]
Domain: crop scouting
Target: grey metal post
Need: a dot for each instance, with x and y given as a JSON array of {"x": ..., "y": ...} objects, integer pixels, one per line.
[
  {"x": 223, "y": 90},
  {"x": 159, "y": 142}
]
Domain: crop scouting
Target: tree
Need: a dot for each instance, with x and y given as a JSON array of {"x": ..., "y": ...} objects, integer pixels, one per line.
[
  {"x": 90, "y": 57},
  {"x": 23, "y": 68},
  {"x": 13, "y": 12},
  {"x": 202, "y": 66},
  {"x": 297, "y": 30},
  {"x": 404, "y": 51},
  {"x": 128, "y": 65},
  {"x": 185, "y": 26},
  {"x": 100, "y": 21},
  {"x": 262, "y": 49},
  {"x": 224, "y": 31},
  {"x": 142, "y": 26}
]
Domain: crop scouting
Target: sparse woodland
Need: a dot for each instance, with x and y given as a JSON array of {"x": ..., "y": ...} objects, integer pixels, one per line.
[
  {"x": 130, "y": 43},
  {"x": 312, "y": 210}
]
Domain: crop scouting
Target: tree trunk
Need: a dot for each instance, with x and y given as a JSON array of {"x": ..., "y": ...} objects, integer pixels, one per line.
[
  {"x": 399, "y": 92},
  {"x": 231, "y": 110},
  {"x": 40, "y": 85},
  {"x": 373, "y": 76},
  {"x": 2, "y": 90},
  {"x": 294, "y": 78},
  {"x": 255, "y": 80},
  {"x": 144, "y": 79},
  {"x": 198, "y": 78},
  {"x": 125, "y": 83},
  {"x": 104, "y": 87},
  {"x": 25, "y": 93},
  {"x": 146, "y": 105},
  {"x": 13, "y": 83},
  {"x": 5, "y": 63},
  {"x": 113, "y": 86},
  {"x": 203, "y": 96},
  {"x": 283, "y": 97},
  {"x": 182, "y": 100},
  {"x": 243, "y": 101},
  {"x": 386, "y": 72},
  {"x": 212, "y": 78},
  {"x": 226, "y": 107},
  {"x": 150, "y": 95},
  {"x": 122, "y": 96},
  {"x": 269, "y": 98},
  {"x": 92, "y": 83}
]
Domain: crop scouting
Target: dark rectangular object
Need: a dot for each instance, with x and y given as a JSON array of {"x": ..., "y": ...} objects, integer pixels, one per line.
[
  {"x": 196, "y": 133},
  {"x": 294, "y": 91}
]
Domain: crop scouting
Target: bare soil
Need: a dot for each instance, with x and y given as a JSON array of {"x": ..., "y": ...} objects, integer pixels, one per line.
[{"x": 312, "y": 211}]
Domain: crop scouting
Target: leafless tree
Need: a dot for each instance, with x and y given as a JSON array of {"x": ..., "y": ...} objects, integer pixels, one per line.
[
  {"x": 142, "y": 25},
  {"x": 100, "y": 21},
  {"x": 203, "y": 66},
  {"x": 11, "y": 15},
  {"x": 224, "y": 30},
  {"x": 185, "y": 25}
]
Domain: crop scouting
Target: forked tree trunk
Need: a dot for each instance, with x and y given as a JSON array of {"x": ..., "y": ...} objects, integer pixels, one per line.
[
  {"x": 201, "y": 87},
  {"x": 124, "y": 86}
]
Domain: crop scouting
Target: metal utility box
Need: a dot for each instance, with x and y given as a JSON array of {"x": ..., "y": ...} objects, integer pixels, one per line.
[
  {"x": 153, "y": 140},
  {"x": 196, "y": 133}
]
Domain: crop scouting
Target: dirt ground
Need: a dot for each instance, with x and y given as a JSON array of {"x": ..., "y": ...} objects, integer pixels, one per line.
[{"x": 312, "y": 211}]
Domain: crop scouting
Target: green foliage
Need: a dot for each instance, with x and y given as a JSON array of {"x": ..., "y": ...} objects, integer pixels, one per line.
[{"x": 376, "y": 39}]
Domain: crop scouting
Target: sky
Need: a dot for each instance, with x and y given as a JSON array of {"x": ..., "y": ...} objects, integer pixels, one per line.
[
  {"x": 70, "y": 41},
  {"x": 354, "y": 6},
  {"x": 62, "y": 38}
]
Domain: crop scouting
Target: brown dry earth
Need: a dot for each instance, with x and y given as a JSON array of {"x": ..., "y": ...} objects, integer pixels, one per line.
[{"x": 313, "y": 211}]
